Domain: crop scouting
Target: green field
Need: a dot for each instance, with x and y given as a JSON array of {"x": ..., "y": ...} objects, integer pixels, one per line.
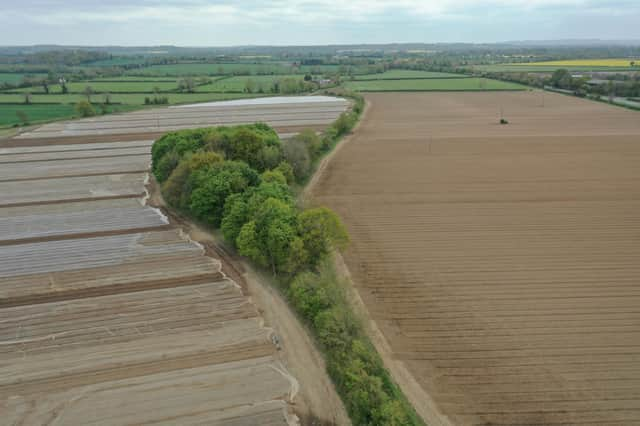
[
  {"x": 248, "y": 68},
  {"x": 102, "y": 87},
  {"x": 451, "y": 84},
  {"x": 407, "y": 75},
  {"x": 134, "y": 78},
  {"x": 35, "y": 113},
  {"x": 16, "y": 78},
  {"x": 123, "y": 60},
  {"x": 180, "y": 70},
  {"x": 43, "y": 113},
  {"x": 123, "y": 98},
  {"x": 62, "y": 106},
  {"x": 239, "y": 83}
]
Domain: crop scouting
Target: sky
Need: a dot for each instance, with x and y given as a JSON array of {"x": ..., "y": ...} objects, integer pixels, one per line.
[{"x": 311, "y": 22}]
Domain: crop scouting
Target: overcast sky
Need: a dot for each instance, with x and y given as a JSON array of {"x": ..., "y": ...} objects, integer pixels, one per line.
[{"x": 282, "y": 22}]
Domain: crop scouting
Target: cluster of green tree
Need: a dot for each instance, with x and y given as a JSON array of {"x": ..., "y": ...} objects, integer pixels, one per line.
[
  {"x": 285, "y": 86},
  {"x": 303, "y": 151},
  {"x": 235, "y": 179},
  {"x": 238, "y": 179},
  {"x": 56, "y": 74},
  {"x": 66, "y": 57},
  {"x": 85, "y": 109},
  {"x": 624, "y": 85},
  {"x": 529, "y": 79},
  {"x": 156, "y": 100},
  {"x": 621, "y": 84},
  {"x": 370, "y": 395}
]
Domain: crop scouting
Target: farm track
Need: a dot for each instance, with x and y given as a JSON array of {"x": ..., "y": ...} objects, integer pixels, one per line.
[
  {"x": 110, "y": 314},
  {"x": 499, "y": 262}
]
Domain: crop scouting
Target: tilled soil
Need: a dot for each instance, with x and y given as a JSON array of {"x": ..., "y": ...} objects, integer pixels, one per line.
[
  {"x": 109, "y": 314},
  {"x": 500, "y": 262}
]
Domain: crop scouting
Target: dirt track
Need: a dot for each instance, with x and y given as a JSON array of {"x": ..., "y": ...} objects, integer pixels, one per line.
[{"x": 500, "y": 262}]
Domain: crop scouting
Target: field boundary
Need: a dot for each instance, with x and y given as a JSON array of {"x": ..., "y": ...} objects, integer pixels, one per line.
[
  {"x": 416, "y": 395},
  {"x": 437, "y": 90},
  {"x": 454, "y": 76}
]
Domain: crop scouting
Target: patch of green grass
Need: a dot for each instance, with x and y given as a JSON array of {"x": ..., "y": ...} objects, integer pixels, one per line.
[
  {"x": 133, "y": 78},
  {"x": 452, "y": 84},
  {"x": 120, "y": 60},
  {"x": 124, "y": 98},
  {"x": 407, "y": 75},
  {"x": 196, "y": 69},
  {"x": 102, "y": 87},
  {"x": 35, "y": 113},
  {"x": 16, "y": 78},
  {"x": 39, "y": 113},
  {"x": 240, "y": 68},
  {"x": 239, "y": 83}
]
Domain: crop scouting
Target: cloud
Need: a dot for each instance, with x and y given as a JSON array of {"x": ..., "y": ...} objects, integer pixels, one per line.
[
  {"x": 297, "y": 21},
  {"x": 308, "y": 10}
]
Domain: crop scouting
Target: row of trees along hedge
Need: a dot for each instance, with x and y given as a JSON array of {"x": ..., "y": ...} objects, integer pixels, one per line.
[{"x": 238, "y": 179}]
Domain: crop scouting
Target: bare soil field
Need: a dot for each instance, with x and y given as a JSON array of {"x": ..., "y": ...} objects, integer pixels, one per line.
[
  {"x": 500, "y": 262},
  {"x": 109, "y": 313}
]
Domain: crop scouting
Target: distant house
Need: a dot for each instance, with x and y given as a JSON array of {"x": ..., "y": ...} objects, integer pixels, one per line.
[{"x": 323, "y": 81}]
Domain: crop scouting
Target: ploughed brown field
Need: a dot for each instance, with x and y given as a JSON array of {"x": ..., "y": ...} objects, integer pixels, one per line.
[{"x": 501, "y": 262}]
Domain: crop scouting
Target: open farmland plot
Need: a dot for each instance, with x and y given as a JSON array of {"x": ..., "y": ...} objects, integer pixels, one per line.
[
  {"x": 238, "y": 84},
  {"x": 108, "y": 313},
  {"x": 43, "y": 191},
  {"x": 282, "y": 113},
  {"x": 17, "y": 78},
  {"x": 11, "y": 113},
  {"x": 197, "y": 69},
  {"x": 500, "y": 262},
  {"x": 107, "y": 87},
  {"x": 129, "y": 99}
]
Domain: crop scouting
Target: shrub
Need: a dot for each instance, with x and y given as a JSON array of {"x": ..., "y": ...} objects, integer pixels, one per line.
[
  {"x": 23, "y": 117},
  {"x": 345, "y": 123},
  {"x": 321, "y": 231},
  {"x": 274, "y": 176},
  {"x": 165, "y": 166},
  {"x": 176, "y": 189},
  {"x": 310, "y": 139},
  {"x": 85, "y": 109},
  {"x": 287, "y": 171},
  {"x": 297, "y": 155},
  {"x": 332, "y": 331},
  {"x": 308, "y": 294}
]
